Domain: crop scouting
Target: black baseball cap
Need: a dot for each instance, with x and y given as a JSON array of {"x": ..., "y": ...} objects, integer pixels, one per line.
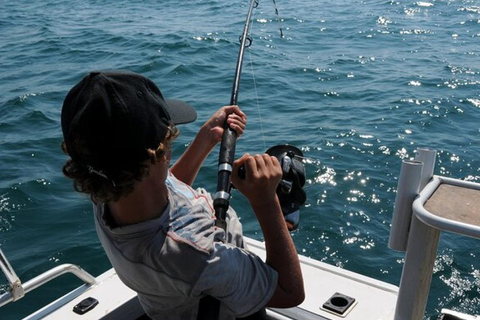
[{"x": 110, "y": 119}]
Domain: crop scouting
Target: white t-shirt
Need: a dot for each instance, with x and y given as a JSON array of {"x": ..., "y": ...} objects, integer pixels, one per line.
[{"x": 176, "y": 259}]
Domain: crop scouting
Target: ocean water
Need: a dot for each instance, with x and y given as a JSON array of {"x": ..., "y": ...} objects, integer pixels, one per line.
[{"x": 357, "y": 85}]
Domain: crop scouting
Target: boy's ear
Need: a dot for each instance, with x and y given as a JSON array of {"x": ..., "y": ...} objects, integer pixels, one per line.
[{"x": 164, "y": 158}]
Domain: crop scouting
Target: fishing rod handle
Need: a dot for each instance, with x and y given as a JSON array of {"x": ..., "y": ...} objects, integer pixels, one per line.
[
  {"x": 225, "y": 165},
  {"x": 227, "y": 147}
]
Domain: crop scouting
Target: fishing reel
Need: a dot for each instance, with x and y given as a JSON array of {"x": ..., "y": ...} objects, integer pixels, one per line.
[{"x": 290, "y": 189}]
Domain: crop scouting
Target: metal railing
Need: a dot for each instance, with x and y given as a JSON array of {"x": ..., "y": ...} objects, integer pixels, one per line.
[{"x": 18, "y": 291}]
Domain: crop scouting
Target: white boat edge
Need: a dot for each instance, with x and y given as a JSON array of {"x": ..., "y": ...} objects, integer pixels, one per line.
[{"x": 374, "y": 299}]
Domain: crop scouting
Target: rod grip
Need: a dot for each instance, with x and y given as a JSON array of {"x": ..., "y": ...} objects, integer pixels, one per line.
[
  {"x": 225, "y": 162},
  {"x": 227, "y": 147}
]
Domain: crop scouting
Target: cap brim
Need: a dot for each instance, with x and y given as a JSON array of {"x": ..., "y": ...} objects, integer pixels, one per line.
[{"x": 180, "y": 112}]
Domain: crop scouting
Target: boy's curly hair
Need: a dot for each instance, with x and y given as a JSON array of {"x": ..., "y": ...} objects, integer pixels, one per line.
[{"x": 102, "y": 188}]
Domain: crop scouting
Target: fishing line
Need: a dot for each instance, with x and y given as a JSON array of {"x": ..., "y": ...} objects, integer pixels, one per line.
[
  {"x": 279, "y": 20},
  {"x": 307, "y": 160},
  {"x": 256, "y": 99},
  {"x": 258, "y": 104}
]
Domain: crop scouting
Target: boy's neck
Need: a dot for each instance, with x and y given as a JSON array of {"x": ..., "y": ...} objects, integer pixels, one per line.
[{"x": 147, "y": 201}]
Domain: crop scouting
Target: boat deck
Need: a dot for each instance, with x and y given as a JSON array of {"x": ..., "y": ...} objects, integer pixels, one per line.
[{"x": 370, "y": 299}]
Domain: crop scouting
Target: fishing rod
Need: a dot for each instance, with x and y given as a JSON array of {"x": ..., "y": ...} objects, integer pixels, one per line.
[{"x": 229, "y": 138}]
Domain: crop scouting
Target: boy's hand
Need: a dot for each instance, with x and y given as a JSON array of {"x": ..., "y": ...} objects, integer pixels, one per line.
[
  {"x": 262, "y": 175},
  {"x": 236, "y": 119}
]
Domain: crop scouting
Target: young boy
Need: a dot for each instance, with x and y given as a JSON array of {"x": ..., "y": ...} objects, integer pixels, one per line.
[{"x": 158, "y": 232}]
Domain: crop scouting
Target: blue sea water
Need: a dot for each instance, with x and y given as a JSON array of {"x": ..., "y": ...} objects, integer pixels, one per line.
[{"x": 357, "y": 85}]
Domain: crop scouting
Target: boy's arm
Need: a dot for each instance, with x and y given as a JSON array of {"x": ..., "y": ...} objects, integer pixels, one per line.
[
  {"x": 187, "y": 166},
  {"x": 263, "y": 173}
]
